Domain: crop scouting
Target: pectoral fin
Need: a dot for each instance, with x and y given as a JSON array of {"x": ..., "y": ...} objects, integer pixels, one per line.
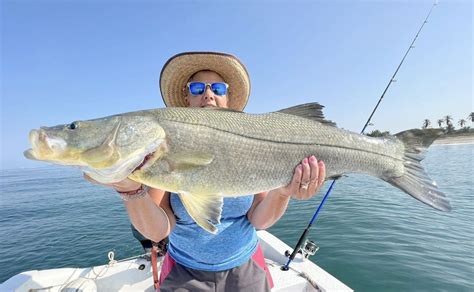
[
  {"x": 205, "y": 209},
  {"x": 187, "y": 161}
]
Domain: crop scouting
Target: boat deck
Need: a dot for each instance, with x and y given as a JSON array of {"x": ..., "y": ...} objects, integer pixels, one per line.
[{"x": 136, "y": 275}]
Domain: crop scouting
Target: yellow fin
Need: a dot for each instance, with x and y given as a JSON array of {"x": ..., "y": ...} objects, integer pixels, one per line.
[
  {"x": 105, "y": 155},
  {"x": 205, "y": 209},
  {"x": 186, "y": 161}
]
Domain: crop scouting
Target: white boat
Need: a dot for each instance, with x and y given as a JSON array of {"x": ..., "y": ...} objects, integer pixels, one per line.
[{"x": 135, "y": 274}]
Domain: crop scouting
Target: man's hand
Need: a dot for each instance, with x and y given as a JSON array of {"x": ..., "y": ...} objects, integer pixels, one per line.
[
  {"x": 125, "y": 185},
  {"x": 307, "y": 179}
]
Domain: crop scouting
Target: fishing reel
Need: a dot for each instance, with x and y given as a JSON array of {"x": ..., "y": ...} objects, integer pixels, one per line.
[{"x": 309, "y": 248}]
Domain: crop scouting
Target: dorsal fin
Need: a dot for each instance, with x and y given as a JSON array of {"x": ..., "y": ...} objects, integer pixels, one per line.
[{"x": 312, "y": 111}]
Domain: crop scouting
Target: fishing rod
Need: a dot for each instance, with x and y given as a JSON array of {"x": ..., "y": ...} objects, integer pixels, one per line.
[{"x": 312, "y": 248}]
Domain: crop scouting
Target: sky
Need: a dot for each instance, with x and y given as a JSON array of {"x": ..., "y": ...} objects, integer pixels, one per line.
[{"x": 63, "y": 61}]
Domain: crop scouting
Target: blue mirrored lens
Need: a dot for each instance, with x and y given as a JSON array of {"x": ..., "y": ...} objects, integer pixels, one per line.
[
  {"x": 197, "y": 88},
  {"x": 219, "y": 88}
]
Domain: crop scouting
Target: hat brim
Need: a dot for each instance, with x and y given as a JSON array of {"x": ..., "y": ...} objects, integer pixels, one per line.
[{"x": 179, "y": 68}]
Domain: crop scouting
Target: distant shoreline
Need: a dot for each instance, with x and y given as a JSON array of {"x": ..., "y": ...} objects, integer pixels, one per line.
[{"x": 455, "y": 139}]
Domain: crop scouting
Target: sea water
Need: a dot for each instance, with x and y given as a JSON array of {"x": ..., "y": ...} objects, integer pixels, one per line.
[{"x": 372, "y": 236}]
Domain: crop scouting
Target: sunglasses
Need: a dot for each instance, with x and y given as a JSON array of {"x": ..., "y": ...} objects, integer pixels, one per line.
[{"x": 198, "y": 88}]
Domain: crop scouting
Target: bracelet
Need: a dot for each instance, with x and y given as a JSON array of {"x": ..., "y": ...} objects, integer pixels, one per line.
[{"x": 134, "y": 195}]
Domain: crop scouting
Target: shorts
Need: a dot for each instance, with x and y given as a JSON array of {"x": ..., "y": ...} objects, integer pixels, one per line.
[{"x": 251, "y": 276}]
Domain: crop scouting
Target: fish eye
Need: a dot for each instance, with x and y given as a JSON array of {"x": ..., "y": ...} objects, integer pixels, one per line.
[{"x": 73, "y": 125}]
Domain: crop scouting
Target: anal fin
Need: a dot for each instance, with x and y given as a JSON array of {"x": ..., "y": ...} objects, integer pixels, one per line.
[{"x": 205, "y": 209}]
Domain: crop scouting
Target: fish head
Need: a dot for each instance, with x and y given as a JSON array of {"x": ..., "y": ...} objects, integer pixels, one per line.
[{"x": 108, "y": 149}]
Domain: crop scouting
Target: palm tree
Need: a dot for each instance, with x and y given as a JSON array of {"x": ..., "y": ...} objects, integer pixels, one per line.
[
  {"x": 426, "y": 124},
  {"x": 378, "y": 133},
  {"x": 440, "y": 122},
  {"x": 471, "y": 117},
  {"x": 462, "y": 123},
  {"x": 448, "y": 120}
]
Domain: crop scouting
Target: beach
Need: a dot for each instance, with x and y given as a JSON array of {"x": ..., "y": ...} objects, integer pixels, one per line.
[{"x": 458, "y": 139}]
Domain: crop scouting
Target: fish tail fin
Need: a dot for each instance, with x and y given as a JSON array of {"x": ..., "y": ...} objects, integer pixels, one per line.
[{"x": 415, "y": 181}]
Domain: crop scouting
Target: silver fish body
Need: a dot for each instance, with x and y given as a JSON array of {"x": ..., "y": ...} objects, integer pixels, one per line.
[{"x": 253, "y": 153}]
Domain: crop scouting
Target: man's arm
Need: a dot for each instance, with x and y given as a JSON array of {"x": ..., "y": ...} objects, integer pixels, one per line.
[{"x": 150, "y": 214}]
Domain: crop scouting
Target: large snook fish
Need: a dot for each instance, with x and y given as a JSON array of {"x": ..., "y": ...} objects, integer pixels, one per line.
[{"x": 205, "y": 154}]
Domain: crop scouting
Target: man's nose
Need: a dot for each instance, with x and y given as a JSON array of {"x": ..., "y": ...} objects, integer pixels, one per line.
[{"x": 208, "y": 93}]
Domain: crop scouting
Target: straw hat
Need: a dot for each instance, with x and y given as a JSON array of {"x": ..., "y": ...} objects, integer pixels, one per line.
[{"x": 179, "y": 68}]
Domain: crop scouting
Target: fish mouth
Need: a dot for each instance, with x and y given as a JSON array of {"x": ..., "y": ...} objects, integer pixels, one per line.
[
  {"x": 39, "y": 145},
  {"x": 43, "y": 146},
  {"x": 30, "y": 154}
]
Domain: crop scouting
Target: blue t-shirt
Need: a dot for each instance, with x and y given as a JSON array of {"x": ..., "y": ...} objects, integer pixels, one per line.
[{"x": 233, "y": 245}]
